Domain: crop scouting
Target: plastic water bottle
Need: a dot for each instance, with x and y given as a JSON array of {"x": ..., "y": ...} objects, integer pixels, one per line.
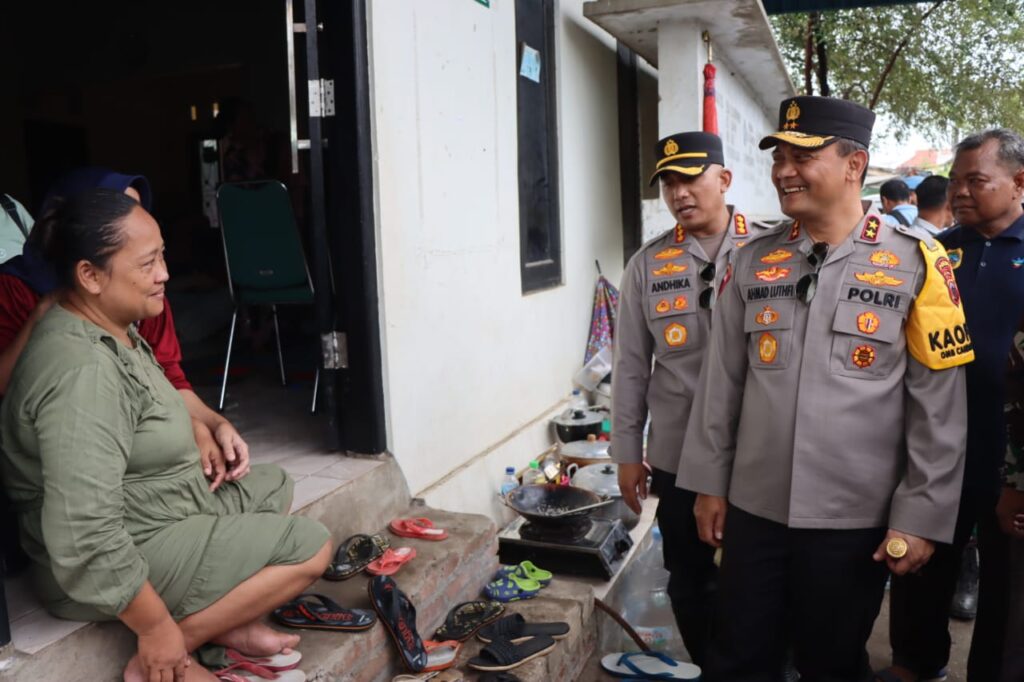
[
  {"x": 577, "y": 401},
  {"x": 509, "y": 483}
]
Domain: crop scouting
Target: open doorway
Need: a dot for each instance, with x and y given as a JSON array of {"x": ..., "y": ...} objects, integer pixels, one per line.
[{"x": 192, "y": 94}]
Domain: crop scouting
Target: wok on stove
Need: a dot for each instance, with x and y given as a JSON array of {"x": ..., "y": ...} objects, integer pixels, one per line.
[{"x": 552, "y": 505}]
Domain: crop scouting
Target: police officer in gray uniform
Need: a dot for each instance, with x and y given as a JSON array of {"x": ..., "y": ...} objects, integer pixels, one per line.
[
  {"x": 668, "y": 291},
  {"x": 827, "y": 437}
]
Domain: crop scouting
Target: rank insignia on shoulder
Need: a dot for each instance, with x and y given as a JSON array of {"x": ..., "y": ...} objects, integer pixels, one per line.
[
  {"x": 680, "y": 235},
  {"x": 869, "y": 233},
  {"x": 740, "y": 222},
  {"x": 767, "y": 348},
  {"x": 878, "y": 279},
  {"x": 794, "y": 231},
  {"x": 772, "y": 274},
  {"x": 955, "y": 256},
  {"x": 669, "y": 269},
  {"x": 884, "y": 259},
  {"x": 776, "y": 256},
  {"x": 868, "y": 322},
  {"x": 675, "y": 335},
  {"x": 863, "y": 356},
  {"x": 767, "y": 316},
  {"x": 670, "y": 252}
]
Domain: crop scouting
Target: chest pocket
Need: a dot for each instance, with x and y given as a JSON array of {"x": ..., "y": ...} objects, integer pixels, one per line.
[
  {"x": 867, "y": 342},
  {"x": 769, "y": 329},
  {"x": 672, "y": 302},
  {"x": 678, "y": 329}
]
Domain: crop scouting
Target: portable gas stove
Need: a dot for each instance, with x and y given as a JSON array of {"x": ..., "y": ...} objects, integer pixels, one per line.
[{"x": 587, "y": 547}]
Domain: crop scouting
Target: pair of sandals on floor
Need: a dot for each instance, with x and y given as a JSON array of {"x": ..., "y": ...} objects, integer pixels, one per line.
[
  {"x": 510, "y": 640},
  {"x": 374, "y": 554}
]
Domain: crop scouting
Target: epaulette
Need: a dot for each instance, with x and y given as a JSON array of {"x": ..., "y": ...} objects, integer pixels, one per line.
[{"x": 916, "y": 233}]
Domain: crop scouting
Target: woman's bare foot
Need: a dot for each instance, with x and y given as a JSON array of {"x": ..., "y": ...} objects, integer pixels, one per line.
[{"x": 256, "y": 639}]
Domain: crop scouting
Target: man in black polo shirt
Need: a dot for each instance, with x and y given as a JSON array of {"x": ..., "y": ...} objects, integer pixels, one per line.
[{"x": 986, "y": 249}]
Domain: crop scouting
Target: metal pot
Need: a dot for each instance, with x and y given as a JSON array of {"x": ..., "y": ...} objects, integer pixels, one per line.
[
  {"x": 603, "y": 479},
  {"x": 553, "y": 505},
  {"x": 585, "y": 452},
  {"x": 575, "y": 424}
]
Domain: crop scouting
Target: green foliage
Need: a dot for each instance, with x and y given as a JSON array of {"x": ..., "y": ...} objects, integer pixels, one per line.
[{"x": 959, "y": 68}]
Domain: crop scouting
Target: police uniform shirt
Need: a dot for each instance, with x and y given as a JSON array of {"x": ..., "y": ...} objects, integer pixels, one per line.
[
  {"x": 660, "y": 319},
  {"x": 823, "y": 415},
  {"x": 990, "y": 275}
]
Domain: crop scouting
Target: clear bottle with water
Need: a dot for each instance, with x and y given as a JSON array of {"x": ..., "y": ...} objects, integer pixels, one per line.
[
  {"x": 577, "y": 401},
  {"x": 509, "y": 482}
]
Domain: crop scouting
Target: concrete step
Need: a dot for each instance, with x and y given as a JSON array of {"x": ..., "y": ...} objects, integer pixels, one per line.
[
  {"x": 51, "y": 649},
  {"x": 442, "y": 574}
]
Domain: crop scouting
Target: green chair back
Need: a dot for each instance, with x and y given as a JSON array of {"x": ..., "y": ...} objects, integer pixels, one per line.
[{"x": 262, "y": 247}]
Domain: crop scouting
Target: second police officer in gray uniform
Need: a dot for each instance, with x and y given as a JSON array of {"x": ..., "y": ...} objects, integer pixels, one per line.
[
  {"x": 668, "y": 291},
  {"x": 830, "y": 420}
]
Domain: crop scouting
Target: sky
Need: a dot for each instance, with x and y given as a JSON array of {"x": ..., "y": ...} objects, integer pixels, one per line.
[{"x": 887, "y": 151}]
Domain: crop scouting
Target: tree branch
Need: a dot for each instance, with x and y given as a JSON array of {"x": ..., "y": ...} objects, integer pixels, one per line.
[
  {"x": 896, "y": 53},
  {"x": 809, "y": 55},
  {"x": 819, "y": 43}
]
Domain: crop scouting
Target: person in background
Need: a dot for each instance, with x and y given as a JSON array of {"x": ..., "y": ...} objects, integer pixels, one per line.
[
  {"x": 668, "y": 291},
  {"x": 99, "y": 458},
  {"x": 986, "y": 255},
  {"x": 896, "y": 203},
  {"x": 15, "y": 224},
  {"x": 826, "y": 437},
  {"x": 933, "y": 212},
  {"x": 1010, "y": 509},
  {"x": 27, "y": 283}
]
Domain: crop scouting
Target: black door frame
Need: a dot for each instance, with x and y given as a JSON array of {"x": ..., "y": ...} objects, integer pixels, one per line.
[{"x": 346, "y": 198}]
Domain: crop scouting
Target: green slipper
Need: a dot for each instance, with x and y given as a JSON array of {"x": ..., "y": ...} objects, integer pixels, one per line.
[{"x": 529, "y": 571}]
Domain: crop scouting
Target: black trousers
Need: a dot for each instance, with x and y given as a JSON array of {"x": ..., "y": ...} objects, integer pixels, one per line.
[
  {"x": 691, "y": 564},
  {"x": 919, "y": 604},
  {"x": 1013, "y": 656},
  {"x": 814, "y": 592}
]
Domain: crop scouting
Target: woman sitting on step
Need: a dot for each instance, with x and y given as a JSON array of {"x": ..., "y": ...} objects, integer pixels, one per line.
[{"x": 100, "y": 462}]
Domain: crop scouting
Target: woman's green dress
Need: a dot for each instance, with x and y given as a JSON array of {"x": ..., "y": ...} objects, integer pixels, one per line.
[{"x": 100, "y": 462}]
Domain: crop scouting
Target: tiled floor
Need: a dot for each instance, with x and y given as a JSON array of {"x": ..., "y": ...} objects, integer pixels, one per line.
[{"x": 276, "y": 423}]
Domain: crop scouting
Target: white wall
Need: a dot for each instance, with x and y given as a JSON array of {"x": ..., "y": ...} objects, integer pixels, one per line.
[
  {"x": 743, "y": 119},
  {"x": 473, "y": 368}
]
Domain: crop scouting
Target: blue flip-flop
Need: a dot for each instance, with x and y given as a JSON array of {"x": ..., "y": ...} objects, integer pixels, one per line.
[{"x": 649, "y": 665}]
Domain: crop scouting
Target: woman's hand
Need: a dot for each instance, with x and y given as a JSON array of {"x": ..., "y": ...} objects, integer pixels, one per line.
[
  {"x": 236, "y": 451},
  {"x": 210, "y": 454},
  {"x": 162, "y": 653}
]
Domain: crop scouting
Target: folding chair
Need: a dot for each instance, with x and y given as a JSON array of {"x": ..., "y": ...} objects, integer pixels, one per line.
[{"x": 264, "y": 258}]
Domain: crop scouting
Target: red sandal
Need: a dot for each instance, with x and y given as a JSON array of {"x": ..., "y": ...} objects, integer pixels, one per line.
[
  {"x": 419, "y": 528},
  {"x": 391, "y": 561}
]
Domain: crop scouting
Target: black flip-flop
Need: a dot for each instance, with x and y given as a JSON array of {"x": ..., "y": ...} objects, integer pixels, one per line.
[
  {"x": 305, "y": 613},
  {"x": 501, "y": 654},
  {"x": 399, "y": 618},
  {"x": 466, "y": 618},
  {"x": 515, "y": 629},
  {"x": 354, "y": 555}
]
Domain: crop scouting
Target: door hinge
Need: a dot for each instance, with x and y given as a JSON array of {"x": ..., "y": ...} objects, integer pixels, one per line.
[
  {"x": 334, "y": 346},
  {"x": 321, "y": 97}
]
